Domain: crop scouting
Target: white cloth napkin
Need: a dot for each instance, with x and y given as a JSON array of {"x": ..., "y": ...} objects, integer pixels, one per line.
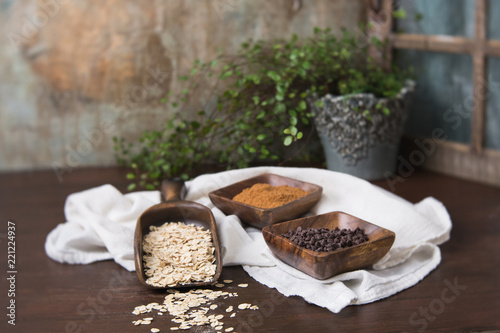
[{"x": 101, "y": 222}]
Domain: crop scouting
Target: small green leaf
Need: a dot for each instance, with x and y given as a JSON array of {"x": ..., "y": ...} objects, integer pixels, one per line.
[
  {"x": 299, "y": 135},
  {"x": 286, "y": 131},
  {"x": 225, "y": 75},
  {"x": 131, "y": 187},
  {"x": 376, "y": 41},
  {"x": 273, "y": 75},
  {"x": 302, "y": 105},
  {"x": 345, "y": 54},
  {"x": 288, "y": 140},
  {"x": 130, "y": 176},
  {"x": 293, "y": 130},
  {"x": 319, "y": 103},
  {"x": 399, "y": 14},
  {"x": 280, "y": 108},
  {"x": 386, "y": 111},
  {"x": 293, "y": 121},
  {"x": 367, "y": 115},
  {"x": 261, "y": 137},
  {"x": 256, "y": 79},
  {"x": 256, "y": 100}
]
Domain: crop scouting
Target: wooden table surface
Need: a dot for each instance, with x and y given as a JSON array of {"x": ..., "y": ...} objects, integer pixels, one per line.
[{"x": 99, "y": 297}]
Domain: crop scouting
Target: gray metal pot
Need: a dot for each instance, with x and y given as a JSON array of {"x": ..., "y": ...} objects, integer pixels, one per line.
[{"x": 363, "y": 144}]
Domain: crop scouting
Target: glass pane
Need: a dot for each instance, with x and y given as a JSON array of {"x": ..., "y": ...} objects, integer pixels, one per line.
[
  {"x": 443, "y": 17},
  {"x": 444, "y": 98},
  {"x": 493, "y": 111},
  {"x": 493, "y": 19}
]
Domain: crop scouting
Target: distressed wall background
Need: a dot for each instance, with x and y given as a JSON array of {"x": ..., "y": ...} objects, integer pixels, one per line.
[{"x": 75, "y": 73}]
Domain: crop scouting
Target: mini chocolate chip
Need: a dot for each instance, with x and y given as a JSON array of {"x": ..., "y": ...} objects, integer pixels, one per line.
[{"x": 325, "y": 240}]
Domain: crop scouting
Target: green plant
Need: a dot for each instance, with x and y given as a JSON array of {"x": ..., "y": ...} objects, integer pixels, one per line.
[{"x": 257, "y": 97}]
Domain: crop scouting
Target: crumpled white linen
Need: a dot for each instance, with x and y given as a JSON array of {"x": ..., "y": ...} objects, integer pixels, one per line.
[{"x": 101, "y": 222}]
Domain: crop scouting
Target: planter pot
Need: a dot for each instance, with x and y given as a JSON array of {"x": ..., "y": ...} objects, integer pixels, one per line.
[
  {"x": 358, "y": 136},
  {"x": 381, "y": 159}
]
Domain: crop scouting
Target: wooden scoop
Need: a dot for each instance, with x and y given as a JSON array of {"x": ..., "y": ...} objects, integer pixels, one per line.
[{"x": 174, "y": 209}]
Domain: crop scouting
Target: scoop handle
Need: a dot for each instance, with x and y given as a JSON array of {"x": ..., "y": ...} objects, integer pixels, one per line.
[{"x": 172, "y": 190}]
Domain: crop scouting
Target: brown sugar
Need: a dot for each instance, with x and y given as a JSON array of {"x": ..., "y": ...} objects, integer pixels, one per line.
[{"x": 267, "y": 196}]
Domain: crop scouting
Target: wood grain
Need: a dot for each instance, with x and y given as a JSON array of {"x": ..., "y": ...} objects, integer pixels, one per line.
[
  {"x": 434, "y": 43},
  {"x": 480, "y": 69}
]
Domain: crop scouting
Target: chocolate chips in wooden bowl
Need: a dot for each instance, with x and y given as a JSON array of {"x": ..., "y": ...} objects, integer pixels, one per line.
[
  {"x": 302, "y": 252},
  {"x": 325, "y": 240}
]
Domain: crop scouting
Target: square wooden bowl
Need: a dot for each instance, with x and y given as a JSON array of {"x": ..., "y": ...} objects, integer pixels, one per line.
[
  {"x": 323, "y": 265},
  {"x": 261, "y": 217}
]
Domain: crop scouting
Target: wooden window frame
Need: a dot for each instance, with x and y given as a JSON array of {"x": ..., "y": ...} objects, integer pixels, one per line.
[{"x": 470, "y": 161}]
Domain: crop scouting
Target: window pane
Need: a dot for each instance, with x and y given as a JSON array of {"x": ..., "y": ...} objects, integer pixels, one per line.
[
  {"x": 444, "y": 98},
  {"x": 493, "y": 110},
  {"x": 443, "y": 17},
  {"x": 493, "y": 19}
]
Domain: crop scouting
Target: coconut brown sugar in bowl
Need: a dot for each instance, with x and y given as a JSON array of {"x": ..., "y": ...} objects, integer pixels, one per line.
[{"x": 267, "y": 196}]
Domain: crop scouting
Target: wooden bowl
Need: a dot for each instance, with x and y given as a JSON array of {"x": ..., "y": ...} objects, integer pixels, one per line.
[
  {"x": 175, "y": 210},
  {"x": 261, "y": 217},
  {"x": 323, "y": 265}
]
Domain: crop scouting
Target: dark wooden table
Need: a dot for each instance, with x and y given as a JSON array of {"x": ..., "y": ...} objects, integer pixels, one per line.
[{"x": 52, "y": 297}]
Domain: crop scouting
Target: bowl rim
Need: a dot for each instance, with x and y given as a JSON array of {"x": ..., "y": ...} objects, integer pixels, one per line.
[{"x": 387, "y": 233}]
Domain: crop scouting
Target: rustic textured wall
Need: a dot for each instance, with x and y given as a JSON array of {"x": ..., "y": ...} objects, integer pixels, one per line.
[{"x": 75, "y": 73}]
